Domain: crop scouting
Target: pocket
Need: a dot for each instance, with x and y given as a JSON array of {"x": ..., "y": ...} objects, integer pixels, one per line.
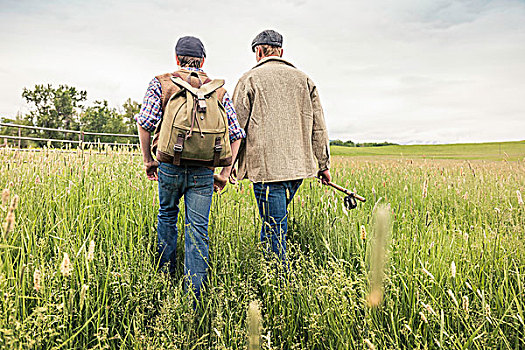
[
  {"x": 168, "y": 170},
  {"x": 203, "y": 184}
]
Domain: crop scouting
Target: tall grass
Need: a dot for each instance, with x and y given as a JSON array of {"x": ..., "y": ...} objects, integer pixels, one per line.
[{"x": 99, "y": 211}]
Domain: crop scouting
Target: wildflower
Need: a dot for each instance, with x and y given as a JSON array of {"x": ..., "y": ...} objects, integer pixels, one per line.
[
  {"x": 5, "y": 197},
  {"x": 453, "y": 297},
  {"x": 363, "y": 232},
  {"x": 83, "y": 292},
  {"x": 36, "y": 280},
  {"x": 520, "y": 200},
  {"x": 453, "y": 269},
  {"x": 423, "y": 317},
  {"x": 370, "y": 345},
  {"x": 65, "y": 266},
  {"x": 91, "y": 251}
]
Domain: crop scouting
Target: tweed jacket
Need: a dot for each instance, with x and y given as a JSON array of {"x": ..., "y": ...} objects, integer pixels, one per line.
[{"x": 279, "y": 108}]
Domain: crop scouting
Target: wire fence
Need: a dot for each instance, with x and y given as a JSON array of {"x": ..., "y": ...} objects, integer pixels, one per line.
[{"x": 80, "y": 141}]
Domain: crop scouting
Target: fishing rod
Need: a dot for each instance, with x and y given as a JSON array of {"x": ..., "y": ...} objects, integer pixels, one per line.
[{"x": 350, "y": 198}]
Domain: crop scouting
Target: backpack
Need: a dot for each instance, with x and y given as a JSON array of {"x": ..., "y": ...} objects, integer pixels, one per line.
[{"x": 194, "y": 127}]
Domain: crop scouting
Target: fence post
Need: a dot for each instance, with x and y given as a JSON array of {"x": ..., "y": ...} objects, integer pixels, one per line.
[
  {"x": 81, "y": 139},
  {"x": 19, "y": 135}
]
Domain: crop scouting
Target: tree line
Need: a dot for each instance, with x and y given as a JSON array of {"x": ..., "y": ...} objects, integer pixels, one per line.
[
  {"x": 64, "y": 107},
  {"x": 363, "y": 144}
]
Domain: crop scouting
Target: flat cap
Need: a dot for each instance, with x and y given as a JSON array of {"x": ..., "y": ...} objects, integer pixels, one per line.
[
  {"x": 190, "y": 46},
  {"x": 268, "y": 37}
]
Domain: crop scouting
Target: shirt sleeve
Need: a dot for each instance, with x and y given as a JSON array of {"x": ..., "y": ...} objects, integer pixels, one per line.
[
  {"x": 236, "y": 132},
  {"x": 151, "y": 110},
  {"x": 320, "y": 142}
]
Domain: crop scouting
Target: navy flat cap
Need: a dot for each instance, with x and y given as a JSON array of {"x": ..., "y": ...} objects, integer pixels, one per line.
[
  {"x": 268, "y": 37},
  {"x": 190, "y": 46}
]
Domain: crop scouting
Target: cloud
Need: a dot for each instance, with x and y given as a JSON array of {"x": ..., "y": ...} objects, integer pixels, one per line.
[{"x": 405, "y": 70}]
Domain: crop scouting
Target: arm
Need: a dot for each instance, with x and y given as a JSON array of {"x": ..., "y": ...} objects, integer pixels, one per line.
[
  {"x": 149, "y": 116},
  {"x": 320, "y": 142},
  {"x": 145, "y": 146},
  {"x": 236, "y": 136}
]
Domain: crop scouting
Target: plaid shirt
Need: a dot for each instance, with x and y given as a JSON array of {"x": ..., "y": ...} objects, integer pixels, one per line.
[{"x": 151, "y": 111}]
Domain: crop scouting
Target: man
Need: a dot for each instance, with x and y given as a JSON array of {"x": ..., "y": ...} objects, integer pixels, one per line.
[
  {"x": 195, "y": 183},
  {"x": 279, "y": 107}
]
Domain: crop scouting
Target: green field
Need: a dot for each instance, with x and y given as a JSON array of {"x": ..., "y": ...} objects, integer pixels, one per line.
[
  {"x": 488, "y": 151},
  {"x": 455, "y": 272}
]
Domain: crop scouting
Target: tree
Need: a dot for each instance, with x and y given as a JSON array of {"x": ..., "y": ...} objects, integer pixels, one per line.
[
  {"x": 102, "y": 118},
  {"x": 129, "y": 109},
  {"x": 57, "y": 108}
]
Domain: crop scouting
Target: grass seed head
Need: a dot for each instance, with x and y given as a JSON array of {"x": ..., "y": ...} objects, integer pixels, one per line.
[
  {"x": 83, "y": 293},
  {"x": 453, "y": 269},
  {"x": 363, "y": 232},
  {"x": 453, "y": 297},
  {"x": 91, "y": 251},
  {"x": 382, "y": 229},
  {"x": 9, "y": 223},
  {"x": 65, "y": 266},
  {"x": 37, "y": 277},
  {"x": 5, "y": 197},
  {"x": 465, "y": 304},
  {"x": 425, "y": 189},
  {"x": 254, "y": 321},
  {"x": 520, "y": 200},
  {"x": 370, "y": 345},
  {"x": 423, "y": 317},
  {"x": 14, "y": 202}
]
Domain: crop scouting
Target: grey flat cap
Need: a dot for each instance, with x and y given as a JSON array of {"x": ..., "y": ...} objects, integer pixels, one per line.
[
  {"x": 190, "y": 46},
  {"x": 268, "y": 37}
]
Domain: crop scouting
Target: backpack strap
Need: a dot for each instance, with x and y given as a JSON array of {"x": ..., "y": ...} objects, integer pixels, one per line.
[
  {"x": 217, "y": 152},
  {"x": 177, "y": 149}
]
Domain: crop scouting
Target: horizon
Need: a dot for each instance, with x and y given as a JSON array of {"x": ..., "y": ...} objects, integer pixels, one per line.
[{"x": 409, "y": 72}]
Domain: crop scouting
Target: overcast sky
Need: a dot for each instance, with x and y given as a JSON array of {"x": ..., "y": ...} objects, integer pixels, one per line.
[{"x": 405, "y": 71}]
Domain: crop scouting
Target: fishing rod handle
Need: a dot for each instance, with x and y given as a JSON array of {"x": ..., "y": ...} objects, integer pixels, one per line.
[{"x": 344, "y": 190}]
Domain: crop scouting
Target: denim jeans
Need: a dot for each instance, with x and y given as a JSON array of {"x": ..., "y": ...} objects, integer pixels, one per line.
[
  {"x": 196, "y": 185},
  {"x": 273, "y": 199}
]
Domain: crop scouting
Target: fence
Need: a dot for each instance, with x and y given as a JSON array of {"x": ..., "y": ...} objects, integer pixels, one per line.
[{"x": 80, "y": 141}]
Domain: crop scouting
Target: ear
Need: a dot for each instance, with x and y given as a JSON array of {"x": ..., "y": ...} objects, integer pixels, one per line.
[
  {"x": 258, "y": 53},
  {"x": 177, "y": 59},
  {"x": 202, "y": 63},
  {"x": 281, "y": 53}
]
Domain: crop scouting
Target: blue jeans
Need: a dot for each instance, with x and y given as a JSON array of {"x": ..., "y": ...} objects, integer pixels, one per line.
[
  {"x": 273, "y": 199},
  {"x": 196, "y": 185}
]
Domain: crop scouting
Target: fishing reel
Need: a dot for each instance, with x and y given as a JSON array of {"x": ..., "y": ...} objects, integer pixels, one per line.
[{"x": 350, "y": 202}]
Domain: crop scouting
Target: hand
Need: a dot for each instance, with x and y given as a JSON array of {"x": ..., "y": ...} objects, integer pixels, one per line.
[
  {"x": 219, "y": 181},
  {"x": 325, "y": 176},
  {"x": 233, "y": 177},
  {"x": 151, "y": 170}
]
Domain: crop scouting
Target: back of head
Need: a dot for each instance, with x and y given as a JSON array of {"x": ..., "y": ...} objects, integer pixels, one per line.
[
  {"x": 190, "y": 52},
  {"x": 270, "y": 43}
]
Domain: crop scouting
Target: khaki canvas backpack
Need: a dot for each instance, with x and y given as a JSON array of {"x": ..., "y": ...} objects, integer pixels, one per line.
[{"x": 194, "y": 127}]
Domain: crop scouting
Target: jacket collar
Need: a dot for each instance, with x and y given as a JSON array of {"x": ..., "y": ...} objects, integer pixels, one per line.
[{"x": 273, "y": 58}]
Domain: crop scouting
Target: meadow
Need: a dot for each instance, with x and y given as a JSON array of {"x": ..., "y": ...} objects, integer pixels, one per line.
[{"x": 78, "y": 264}]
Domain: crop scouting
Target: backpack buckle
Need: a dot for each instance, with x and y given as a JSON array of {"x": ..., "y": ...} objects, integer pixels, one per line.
[
  {"x": 201, "y": 103},
  {"x": 177, "y": 148},
  {"x": 217, "y": 148}
]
